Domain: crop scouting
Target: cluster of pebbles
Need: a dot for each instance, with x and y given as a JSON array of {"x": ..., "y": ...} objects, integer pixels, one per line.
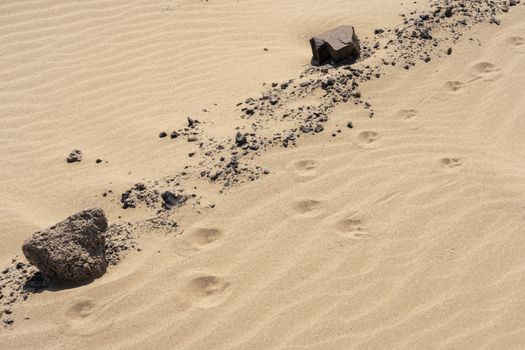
[
  {"x": 422, "y": 36},
  {"x": 18, "y": 281},
  {"x": 162, "y": 195}
]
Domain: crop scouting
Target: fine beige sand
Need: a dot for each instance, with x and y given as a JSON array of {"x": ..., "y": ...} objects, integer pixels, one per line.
[{"x": 406, "y": 232}]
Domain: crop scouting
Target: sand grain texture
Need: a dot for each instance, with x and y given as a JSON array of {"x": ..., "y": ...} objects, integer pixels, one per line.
[{"x": 404, "y": 232}]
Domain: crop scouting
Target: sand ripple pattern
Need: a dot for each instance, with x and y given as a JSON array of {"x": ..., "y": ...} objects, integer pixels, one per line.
[{"x": 404, "y": 233}]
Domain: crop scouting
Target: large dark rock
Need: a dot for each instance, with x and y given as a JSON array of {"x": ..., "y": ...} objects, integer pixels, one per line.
[
  {"x": 337, "y": 44},
  {"x": 73, "y": 250}
]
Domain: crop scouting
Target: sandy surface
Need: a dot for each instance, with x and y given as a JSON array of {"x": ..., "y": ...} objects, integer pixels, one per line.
[{"x": 403, "y": 232}]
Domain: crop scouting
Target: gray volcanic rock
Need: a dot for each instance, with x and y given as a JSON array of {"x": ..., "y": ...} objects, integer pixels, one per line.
[
  {"x": 72, "y": 250},
  {"x": 337, "y": 44}
]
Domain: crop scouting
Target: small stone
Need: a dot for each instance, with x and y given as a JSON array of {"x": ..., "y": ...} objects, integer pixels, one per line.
[
  {"x": 170, "y": 199},
  {"x": 162, "y": 135},
  {"x": 496, "y": 21},
  {"x": 74, "y": 156},
  {"x": 306, "y": 129},
  {"x": 240, "y": 139}
]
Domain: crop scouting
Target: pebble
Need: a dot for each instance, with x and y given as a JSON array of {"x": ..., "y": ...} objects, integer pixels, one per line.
[{"x": 74, "y": 156}]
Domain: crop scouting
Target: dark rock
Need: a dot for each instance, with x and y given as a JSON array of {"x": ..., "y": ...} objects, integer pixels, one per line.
[
  {"x": 74, "y": 156},
  {"x": 126, "y": 200},
  {"x": 72, "y": 250},
  {"x": 174, "y": 135},
  {"x": 328, "y": 83},
  {"x": 306, "y": 129},
  {"x": 495, "y": 21},
  {"x": 171, "y": 200},
  {"x": 240, "y": 139},
  {"x": 425, "y": 34},
  {"x": 319, "y": 128},
  {"x": 163, "y": 135},
  {"x": 337, "y": 44}
]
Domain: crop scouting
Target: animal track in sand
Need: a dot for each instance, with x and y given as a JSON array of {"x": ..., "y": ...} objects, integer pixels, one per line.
[
  {"x": 451, "y": 163},
  {"x": 454, "y": 86},
  {"x": 81, "y": 310},
  {"x": 516, "y": 41},
  {"x": 205, "y": 236},
  {"x": 352, "y": 227},
  {"x": 406, "y": 114},
  {"x": 367, "y": 138},
  {"x": 307, "y": 207},
  {"x": 207, "y": 290},
  {"x": 485, "y": 71},
  {"x": 82, "y": 318},
  {"x": 304, "y": 169}
]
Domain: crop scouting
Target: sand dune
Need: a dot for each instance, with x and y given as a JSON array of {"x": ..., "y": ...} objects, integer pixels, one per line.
[{"x": 404, "y": 232}]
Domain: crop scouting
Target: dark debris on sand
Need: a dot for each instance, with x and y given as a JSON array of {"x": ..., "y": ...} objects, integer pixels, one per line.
[{"x": 419, "y": 38}]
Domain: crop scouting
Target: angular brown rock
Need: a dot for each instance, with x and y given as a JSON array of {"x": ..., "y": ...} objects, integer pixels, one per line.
[
  {"x": 336, "y": 44},
  {"x": 72, "y": 250}
]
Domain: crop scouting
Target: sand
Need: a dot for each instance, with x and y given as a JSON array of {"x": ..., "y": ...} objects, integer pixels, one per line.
[{"x": 403, "y": 232}]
